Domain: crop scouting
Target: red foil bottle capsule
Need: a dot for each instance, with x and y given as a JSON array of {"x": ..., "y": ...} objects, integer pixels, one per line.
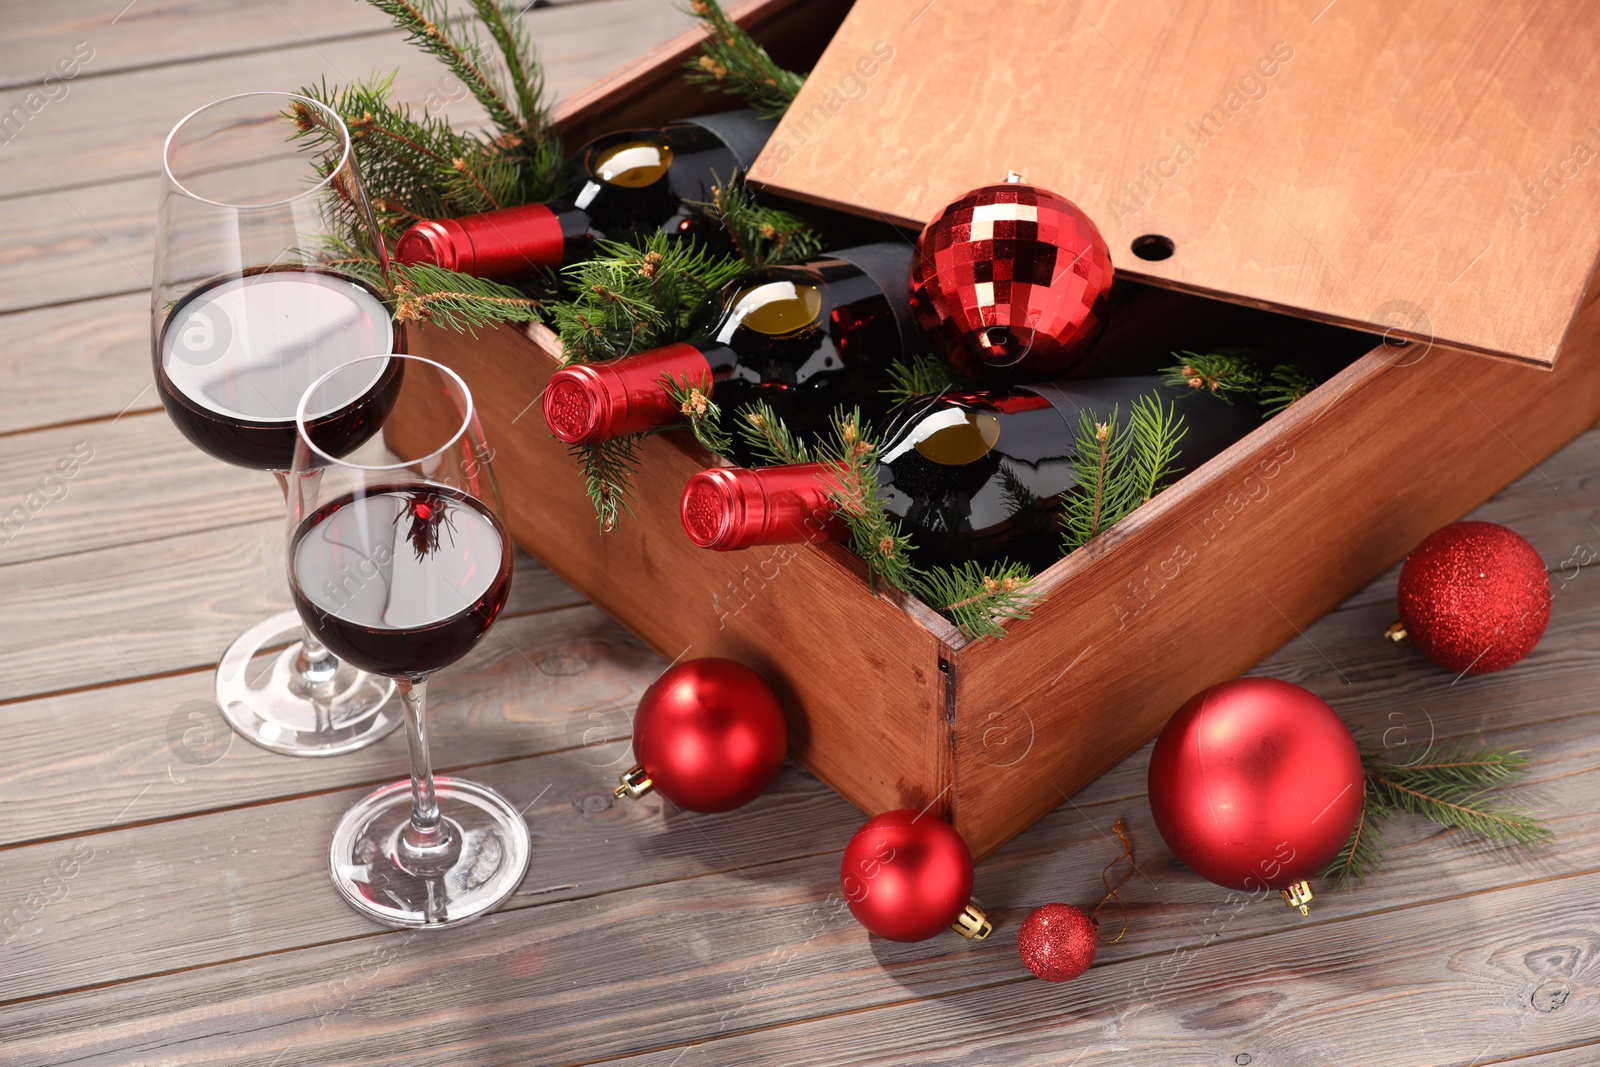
[
  {"x": 592, "y": 402},
  {"x": 729, "y": 507},
  {"x": 496, "y": 244}
]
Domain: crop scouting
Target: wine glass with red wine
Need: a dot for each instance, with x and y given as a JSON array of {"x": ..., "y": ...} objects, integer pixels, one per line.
[
  {"x": 269, "y": 274},
  {"x": 399, "y": 563}
]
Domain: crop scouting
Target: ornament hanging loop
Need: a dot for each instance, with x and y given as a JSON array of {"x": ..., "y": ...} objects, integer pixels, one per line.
[
  {"x": 1396, "y": 633},
  {"x": 973, "y": 924},
  {"x": 635, "y": 784},
  {"x": 1111, "y": 890},
  {"x": 1298, "y": 895}
]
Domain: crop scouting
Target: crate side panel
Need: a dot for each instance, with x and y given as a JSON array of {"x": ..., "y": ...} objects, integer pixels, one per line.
[
  {"x": 1233, "y": 561},
  {"x": 859, "y": 677}
]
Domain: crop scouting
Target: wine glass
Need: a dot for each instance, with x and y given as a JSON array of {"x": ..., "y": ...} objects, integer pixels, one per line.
[
  {"x": 398, "y": 561},
  {"x": 269, "y": 274}
]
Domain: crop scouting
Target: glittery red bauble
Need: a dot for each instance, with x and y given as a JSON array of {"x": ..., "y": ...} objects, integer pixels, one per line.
[
  {"x": 1057, "y": 942},
  {"x": 1011, "y": 283},
  {"x": 906, "y": 876},
  {"x": 1255, "y": 784},
  {"x": 710, "y": 734},
  {"x": 1474, "y": 597}
]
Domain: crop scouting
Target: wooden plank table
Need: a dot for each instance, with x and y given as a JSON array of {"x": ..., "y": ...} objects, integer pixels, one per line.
[{"x": 163, "y": 891}]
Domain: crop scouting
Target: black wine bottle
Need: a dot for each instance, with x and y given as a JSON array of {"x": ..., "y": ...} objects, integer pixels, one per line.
[
  {"x": 803, "y": 338},
  {"x": 971, "y": 476},
  {"x": 624, "y": 185}
]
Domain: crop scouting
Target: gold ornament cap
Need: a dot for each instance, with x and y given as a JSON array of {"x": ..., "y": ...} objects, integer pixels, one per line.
[
  {"x": 635, "y": 784},
  {"x": 1298, "y": 896},
  {"x": 972, "y": 923}
]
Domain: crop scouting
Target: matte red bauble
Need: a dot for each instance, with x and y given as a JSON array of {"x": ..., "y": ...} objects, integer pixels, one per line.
[
  {"x": 908, "y": 875},
  {"x": 709, "y": 734},
  {"x": 1474, "y": 597},
  {"x": 1011, "y": 283},
  {"x": 1057, "y": 942},
  {"x": 1256, "y": 784}
]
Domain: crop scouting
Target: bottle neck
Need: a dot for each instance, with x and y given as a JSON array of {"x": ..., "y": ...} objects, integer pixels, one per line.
[
  {"x": 496, "y": 244},
  {"x": 729, "y": 507},
  {"x": 593, "y": 402}
]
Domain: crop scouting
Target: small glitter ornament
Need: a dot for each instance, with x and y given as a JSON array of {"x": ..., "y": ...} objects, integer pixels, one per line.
[
  {"x": 1057, "y": 942},
  {"x": 1474, "y": 598},
  {"x": 1011, "y": 283}
]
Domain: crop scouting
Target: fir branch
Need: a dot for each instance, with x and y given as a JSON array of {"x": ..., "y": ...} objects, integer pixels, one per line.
[
  {"x": 702, "y": 413},
  {"x": 852, "y": 461},
  {"x": 1223, "y": 374},
  {"x": 631, "y": 298},
  {"x": 732, "y": 62},
  {"x": 1363, "y": 852},
  {"x": 922, "y": 376},
  {"x": 979, "y": 600},
  {"x": 1117, "y": 467},
  {"x": 607, "y": 470},
  {"x": 1453, "y": 789},
  {"x": 430, "y": 26},
  {"x": 1285, "y": 385},
  {"x": 523, "y": 69},
  {"x": 769, "y": 437},
  {"x": 1157, "y": 432},
  {"x": 425, "y": 293},
  {"x": 761, "y": 235}
]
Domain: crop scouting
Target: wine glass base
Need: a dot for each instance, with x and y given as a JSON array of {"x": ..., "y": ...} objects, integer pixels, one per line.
[
  {"x": 269, "y": 703},
  {"x": 493, "y": 857}
]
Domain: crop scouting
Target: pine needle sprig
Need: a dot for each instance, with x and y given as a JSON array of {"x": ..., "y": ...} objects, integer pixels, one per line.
[
  {"x": 769, "y": 437},
  {"x": 1286, "y": 384},
  {"x": 430, "y": 25},
  {"x": 1156, "y": 432},
  {"x": 629, "y": 298},
  {"x": 413, "y": 165},
  {"x": 462, "y": 302},
  {"x": 1363, "y": 852},
  {"x": 703, "y": 415},
  {"x": 851, "y": 458},
  {"x": 979, "y": 600},
  {"x": 1453, "y": 788},
  {"x": 732, "y": 62},
  {"x": 1117, "y": 467},
  {"x": 608, "y": 469},
  {"x": 919, "y": 377},
  {"x": 1222, "y": 374},
  {"x": 761, "y": 235}
]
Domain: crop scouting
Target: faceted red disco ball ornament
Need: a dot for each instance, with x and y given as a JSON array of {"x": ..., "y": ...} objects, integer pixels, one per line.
[{"x": 1011, "y": 283}]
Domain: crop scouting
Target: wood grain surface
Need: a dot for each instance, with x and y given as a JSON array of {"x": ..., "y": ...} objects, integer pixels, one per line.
[
  {"x": 163, "y": 899},
  {"x": 1350, "y": 161}
]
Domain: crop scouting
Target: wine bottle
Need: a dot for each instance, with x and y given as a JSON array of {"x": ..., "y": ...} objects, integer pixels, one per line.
[
  {"x": 803, "y": 338},
  {"x": 970, "y": 476},
  {"x": 625, "y": 184}
]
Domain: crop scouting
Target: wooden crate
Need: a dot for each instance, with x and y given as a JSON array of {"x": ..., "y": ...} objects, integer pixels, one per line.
[{"x": 888, "y": 704}]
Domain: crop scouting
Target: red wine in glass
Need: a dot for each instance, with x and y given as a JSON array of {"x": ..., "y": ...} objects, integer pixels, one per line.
[
  {"x": 236, "y": 354},
  {"x": 400, "y": 579}
]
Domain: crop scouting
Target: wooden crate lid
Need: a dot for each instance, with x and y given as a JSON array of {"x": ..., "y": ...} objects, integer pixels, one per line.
[{"x": 1428, "y": 169}]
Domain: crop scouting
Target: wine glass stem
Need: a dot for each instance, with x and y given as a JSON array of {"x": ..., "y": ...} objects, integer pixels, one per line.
[{"x": 426, "y": 832}]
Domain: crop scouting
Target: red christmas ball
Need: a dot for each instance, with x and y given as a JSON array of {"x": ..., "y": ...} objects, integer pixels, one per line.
[
  {"x": 709, "y": 734},
  {"x": 1255, "y": 784},
  {"x": 1474, "y": 597},
  {"x": 906, "y": 875},
  {"x": 1057, "y": 942},
  {"x": 1011, "y": 283}
]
